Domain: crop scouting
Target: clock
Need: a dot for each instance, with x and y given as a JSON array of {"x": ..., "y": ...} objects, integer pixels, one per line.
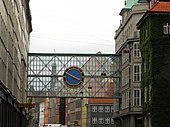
[{"x": 73, "y": 77}]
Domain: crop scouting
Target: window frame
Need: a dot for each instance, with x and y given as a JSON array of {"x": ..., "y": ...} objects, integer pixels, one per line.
[
  {"x": 94, "y": 120},
  {"x": 112, "y": 108},
  {"x": 94, "y": 108},
  {"x": 107, "y": 120},
  {"x": 100, "y": 108},
  {"x": 137, "y": 74},
  {"x": 127, "y": 99},
  {"x": 101, "y": 120},
  {"x": 136, "y": 98},
  {"x": 136, "y": 49},
  {"x": 107, "y": 108},
  {"x": 112, "y": 121},
  {"x": 123, "y": 100},
  {"x": 166, "y": 28}
]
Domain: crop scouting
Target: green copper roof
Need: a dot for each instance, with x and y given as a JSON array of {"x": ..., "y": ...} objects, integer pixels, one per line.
[{"x": 130, "y": 3}]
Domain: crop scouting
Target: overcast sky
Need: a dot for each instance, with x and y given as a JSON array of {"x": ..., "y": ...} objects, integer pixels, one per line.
[{"x": 74, "y": 26}]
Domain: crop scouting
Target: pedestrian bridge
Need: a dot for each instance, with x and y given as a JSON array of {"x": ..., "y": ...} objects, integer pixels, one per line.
[{"x": 74, "y": 75}]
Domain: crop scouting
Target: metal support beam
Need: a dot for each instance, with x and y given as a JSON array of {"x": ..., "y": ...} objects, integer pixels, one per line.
[{"x": 101, "y": 75}]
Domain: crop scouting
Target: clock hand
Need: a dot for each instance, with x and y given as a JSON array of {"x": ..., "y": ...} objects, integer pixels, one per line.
[{"x": 73, "y": 76}]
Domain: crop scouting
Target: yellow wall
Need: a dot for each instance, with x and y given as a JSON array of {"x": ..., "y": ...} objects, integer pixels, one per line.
[{"x": 84, "y": 113}]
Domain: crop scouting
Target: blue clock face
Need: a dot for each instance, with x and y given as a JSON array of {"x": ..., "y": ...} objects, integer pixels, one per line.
[{"x": 73, "y": 77}]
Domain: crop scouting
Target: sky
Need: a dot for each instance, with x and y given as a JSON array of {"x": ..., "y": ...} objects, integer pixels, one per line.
[{"x": 74, "y": 26}]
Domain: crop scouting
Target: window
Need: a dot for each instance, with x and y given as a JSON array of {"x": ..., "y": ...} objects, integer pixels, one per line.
[
  {"x": 144, "y": 66},
  {"x": 150, "y": 92},
  {"x": 146, "y": 33},
  {"x": 136, "y": 34},
  {"x": 94, "y": 120},
  {"x": 127, "y": 99},
  {"x": 145, "y": 94},
  {"x": 112, "y": 108},
  {"x": 107, "y": 120},
  {"x": 72, "y": 116},
  {"x": 112, "y": 121},
  {"x": 166, "y": 28},
  {"x": 78, "y": 115},
  {"x": 123, "y": 100},
  {"x": 125, "y": 55},
  {"x": 150, "y": 124},
  {"x": 125, "y": 76},
  {"x": 107, "y": 108},
  {"x": 78, "y": 103},
  {"x": 137, "y": 73},
  {"x": 137, "y": 97},
  {"x": 101, "y": 120},
  {"x": 136, "y": 51},
  {"x": 116, "y": 107},
  {"x": 94, "y": 108},
  {"x": 100, "y": 109}
]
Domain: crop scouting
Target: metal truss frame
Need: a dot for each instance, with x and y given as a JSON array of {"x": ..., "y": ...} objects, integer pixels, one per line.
[{"x": 102, "y": 75}]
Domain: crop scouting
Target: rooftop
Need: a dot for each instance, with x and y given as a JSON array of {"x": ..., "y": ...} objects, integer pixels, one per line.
[{"x": 160, "y": 7}]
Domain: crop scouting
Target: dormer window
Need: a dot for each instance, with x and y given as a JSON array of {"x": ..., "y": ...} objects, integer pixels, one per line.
[{"x": 166, "y": 28}]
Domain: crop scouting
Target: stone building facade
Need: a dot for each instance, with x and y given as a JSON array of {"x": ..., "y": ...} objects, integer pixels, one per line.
[
  {"x": 15, "y": 27},
  {"x": 128, "y": 109}
]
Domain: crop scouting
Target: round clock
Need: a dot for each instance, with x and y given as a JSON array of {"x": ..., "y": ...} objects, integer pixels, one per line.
[{"x": 73, "y": 77}]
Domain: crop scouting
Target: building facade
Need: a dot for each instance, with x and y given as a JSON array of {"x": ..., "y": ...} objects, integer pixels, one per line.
[
  {"x": 155, "y": 45},
  {"x": 99, "y": 112},
  {"x": 128, "y": 109},
  {"x": 15, "y": 27},
  {"x": 74, "y": 112},
  {"x": 90, "y": 112}
]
